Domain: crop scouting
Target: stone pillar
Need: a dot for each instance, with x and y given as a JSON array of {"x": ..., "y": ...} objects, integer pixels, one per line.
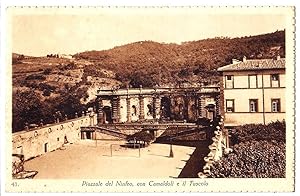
[
  {"x": 202, "y": 105},
  {"x": 99, "y": 106},
  {"x": 91, "y": 118},
  {"x": 128, "y": 109},
  {"x": 186, "y": 103},
  {"x": 142, "y": 112},
  {"x": 115, "y": 109},
  {"x": 196, "y": 102},
  {"x": 157, "y": 102},
  {"x": 84, "y": 135},
  {"x": 119, "y": 109},
  {"x": 217, "y": 99}
]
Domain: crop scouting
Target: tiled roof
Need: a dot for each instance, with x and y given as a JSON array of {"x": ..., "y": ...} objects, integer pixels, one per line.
[{"x": 256, "y": 64}]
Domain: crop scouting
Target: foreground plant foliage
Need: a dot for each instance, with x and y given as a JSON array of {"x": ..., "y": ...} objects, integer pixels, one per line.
[
  {"x": 259, "y": 153},
  {"x": 249, "y": 132}
]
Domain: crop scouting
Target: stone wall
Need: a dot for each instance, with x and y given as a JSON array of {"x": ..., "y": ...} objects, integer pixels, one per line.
[{"x": 38, "y": 141}]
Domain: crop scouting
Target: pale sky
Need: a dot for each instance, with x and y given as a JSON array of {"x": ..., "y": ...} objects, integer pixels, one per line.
[{"x": 38, "y": 35}]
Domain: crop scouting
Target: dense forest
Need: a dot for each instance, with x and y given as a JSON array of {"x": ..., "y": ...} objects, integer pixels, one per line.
[
  {"x": 46, "y": 86},
  {"x": 150, "y": 63}
]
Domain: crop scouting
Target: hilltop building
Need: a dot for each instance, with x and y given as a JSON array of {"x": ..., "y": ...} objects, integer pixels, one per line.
[{"x": 253, "y": 91}]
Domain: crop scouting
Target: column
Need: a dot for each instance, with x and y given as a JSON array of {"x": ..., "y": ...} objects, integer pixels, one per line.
[
  {"x": 196, "y": 102},
  {"x": 172, "y": 106},
  {"x": 115, "y": 109},
  {"x": 202, "y": 105},
  {"x": 217, "y": 99},
  {"x": 156, "y": 113},
  {"x": 142, "y": 112},
  {"x": 186, "y": 102},
  {"x": 99, "y": 106},
  {"x": 128, "y": 109}
]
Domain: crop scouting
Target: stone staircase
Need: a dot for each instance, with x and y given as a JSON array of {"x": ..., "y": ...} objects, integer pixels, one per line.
[{"x": 107, "y": 131}]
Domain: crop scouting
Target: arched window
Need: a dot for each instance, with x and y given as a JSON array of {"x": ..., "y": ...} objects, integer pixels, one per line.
[
  {"x": 150, "y": 110},
  {"x": 134, "y": 110},
  {"x": 180, "y": 107}
]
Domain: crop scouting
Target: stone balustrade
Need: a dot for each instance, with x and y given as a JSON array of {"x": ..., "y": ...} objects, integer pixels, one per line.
[{"x": 216, "y": 149}]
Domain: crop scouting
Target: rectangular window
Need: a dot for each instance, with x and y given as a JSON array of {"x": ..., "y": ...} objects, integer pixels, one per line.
[
  {"x": 253, "y": 105},
  {"x": 229, "y": 105},
  {"x": 275, "y": 105},
  {"x": 46, "y": 147},
  {"x": 229, "y": 81},
  {"x": 228, "y": 77},
  {"x": 252, "y": 79},
  {"x": 274, "y": 80}
]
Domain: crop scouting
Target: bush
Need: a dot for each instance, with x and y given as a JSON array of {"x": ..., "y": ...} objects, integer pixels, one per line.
[
  {"x": 143, "y": 136},
  {"x": 35, "y": 77},
  {"x": 258, "y": 152},
  {"x": 249, "y": 132},
  {"x": 46, "y": 93},
  {"x": 138, "y": 79},
  {"x": 47, "y": 71},
  {"x": 44, "y": 86},
  {"x": 69, "y": 66},
  {"x": 255, "y": 159}
]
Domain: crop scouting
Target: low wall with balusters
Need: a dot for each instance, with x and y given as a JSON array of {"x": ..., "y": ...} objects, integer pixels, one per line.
[
  {"x": 40, "y": 140},
  {"x": 216, "y": 149}
]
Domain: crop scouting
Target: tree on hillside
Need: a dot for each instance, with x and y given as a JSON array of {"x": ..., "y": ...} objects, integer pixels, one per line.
[
  {"x": 27, "y": 108},
  {"x": 138, "y": 79},
  {"x": 146, "y": 58}
]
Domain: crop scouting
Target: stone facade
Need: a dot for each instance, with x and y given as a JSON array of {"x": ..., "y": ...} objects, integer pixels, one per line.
[{"x": 157, "y": 104}]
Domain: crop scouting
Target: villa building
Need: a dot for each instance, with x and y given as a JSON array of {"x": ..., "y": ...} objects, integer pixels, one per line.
[{"x": 253, "y": 91}]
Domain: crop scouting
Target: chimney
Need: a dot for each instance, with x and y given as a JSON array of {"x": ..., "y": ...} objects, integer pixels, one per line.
[
  {"x": 278, "y": 57},
  {"x": 244, "y": 59}
]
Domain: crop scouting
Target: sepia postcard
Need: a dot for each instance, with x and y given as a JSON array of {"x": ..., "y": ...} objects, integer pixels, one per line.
[{"x": 150, "y": 99}]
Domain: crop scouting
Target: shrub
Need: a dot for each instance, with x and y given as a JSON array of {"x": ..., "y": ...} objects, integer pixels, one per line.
[
  {"x": 45, "y": 86},
  {"x": 46, "y": 93},
  {"x": 35, "y": 77},
  {"x": 258, "y": 152},
  {"x": 255, "y": 159},
  {"x": 143, "y": 136},
  {"x": 47, "y": 71},
  {"x": 249, "y": 132}
]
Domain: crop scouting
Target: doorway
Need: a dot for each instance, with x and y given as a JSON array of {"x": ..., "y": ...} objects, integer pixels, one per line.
[
  {"x": 88, "y": 135},
  {"x": 166, "y": 108},
  {"x": 107, "y": 114}
]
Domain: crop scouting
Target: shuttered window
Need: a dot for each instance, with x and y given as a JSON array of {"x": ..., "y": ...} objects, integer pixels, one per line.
[
  {"x": 229, "y": 105},
  {"x": 252, "y": 81},
  {"x": 229, "y": 81}
]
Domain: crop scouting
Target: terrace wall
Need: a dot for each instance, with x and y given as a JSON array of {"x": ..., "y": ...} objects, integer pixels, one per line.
[{"x": 38, "y": 141}]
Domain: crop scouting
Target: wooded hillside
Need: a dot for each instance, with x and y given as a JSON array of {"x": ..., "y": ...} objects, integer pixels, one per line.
[
  {"x": 44, "y": 85},
  {"x": 148, "y": 63}
]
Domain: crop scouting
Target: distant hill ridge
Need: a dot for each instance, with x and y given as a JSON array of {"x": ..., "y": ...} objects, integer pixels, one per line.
[{"x": 180, "y": 62}]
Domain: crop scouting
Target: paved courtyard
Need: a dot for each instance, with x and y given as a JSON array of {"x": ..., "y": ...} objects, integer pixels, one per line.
[{"x": 86, "y": 160}]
